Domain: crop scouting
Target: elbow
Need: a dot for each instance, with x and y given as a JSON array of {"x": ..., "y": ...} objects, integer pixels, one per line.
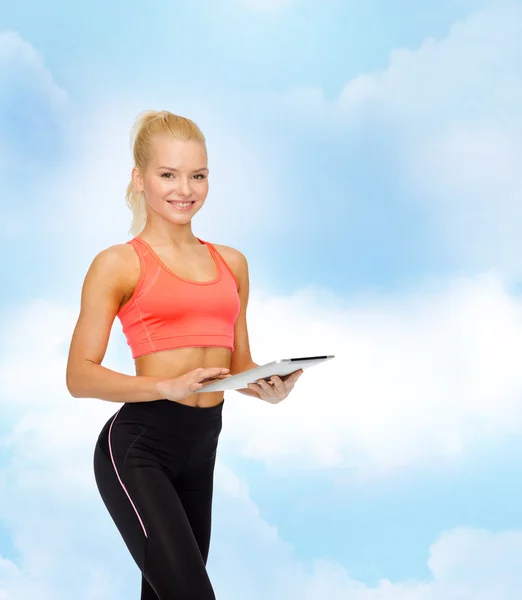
[
  {"x": 72, "y": 389},
  {"x": 77, "y": 376},
  {"x": 73, "y": 385}
]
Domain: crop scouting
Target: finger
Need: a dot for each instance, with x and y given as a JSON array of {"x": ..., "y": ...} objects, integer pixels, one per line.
[
  {"x": 292, "y": 375},
  {"x": 287, "y": 378},
  {"x": 212, "y": 379},
  {"x": 295, "y": 375},
  {"x": 267, "y": 388},
  {"x": 256, "y": 387},
  {"x": 278, "y": 384},
  {"x": 212, "y": 372}
]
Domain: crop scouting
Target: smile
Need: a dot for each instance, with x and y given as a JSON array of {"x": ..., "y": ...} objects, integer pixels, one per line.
[{"x": 181, "y": 205}]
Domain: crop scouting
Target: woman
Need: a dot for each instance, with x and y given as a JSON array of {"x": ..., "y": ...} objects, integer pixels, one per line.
[{"x": 182, "y": 304}]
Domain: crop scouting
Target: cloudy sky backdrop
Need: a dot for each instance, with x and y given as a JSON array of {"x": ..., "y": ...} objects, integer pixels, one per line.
[{"x": 365, "y": 157}]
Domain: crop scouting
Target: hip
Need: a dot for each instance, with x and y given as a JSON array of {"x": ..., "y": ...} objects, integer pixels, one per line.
[{"x": 163, "y": 428}]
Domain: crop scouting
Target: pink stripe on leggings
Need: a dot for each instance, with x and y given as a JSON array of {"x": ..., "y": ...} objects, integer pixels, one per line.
[{"x": 119, "y": 478}]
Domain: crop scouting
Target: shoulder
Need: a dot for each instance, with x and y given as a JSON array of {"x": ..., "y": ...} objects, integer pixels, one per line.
[
  {"x": 234, "y": 257},
  {"x": 116, "y": 261},
  {"x": 114, "y": 256}
]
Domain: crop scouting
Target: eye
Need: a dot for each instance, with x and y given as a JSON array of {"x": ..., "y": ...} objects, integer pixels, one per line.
[
  {"x": 163, "y": 174},
  {"x": 200, "y": 175}
]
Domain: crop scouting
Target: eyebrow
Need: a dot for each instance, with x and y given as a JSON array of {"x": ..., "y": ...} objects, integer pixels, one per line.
[{"x": 195, "y": 171}]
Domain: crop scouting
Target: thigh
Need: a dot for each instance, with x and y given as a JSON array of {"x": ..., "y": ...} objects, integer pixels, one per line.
[
  {"x": 173, "y": 564},
  {"x": 119, "y": 506},
  {"x": 195, "y": 490}
]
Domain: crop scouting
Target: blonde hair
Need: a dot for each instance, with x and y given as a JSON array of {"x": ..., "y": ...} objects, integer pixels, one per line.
[{"x": 148, "y": 124}]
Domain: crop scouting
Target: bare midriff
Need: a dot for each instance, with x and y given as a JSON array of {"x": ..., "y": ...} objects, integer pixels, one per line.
[{"x": 174, "y": 363}]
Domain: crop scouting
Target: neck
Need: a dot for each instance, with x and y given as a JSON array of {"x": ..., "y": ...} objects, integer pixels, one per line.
[{"x": 175, "y": 236}]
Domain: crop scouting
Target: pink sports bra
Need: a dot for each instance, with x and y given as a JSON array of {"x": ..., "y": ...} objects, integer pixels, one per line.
[{"x": 167, "y": 311}]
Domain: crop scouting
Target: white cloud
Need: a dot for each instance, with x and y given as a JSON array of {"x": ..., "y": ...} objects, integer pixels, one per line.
[
  {"x": 81, "y": 202},
  {"x": 69, "y": 544},
  {"x": 450, "y": 113},
  {"x": 71, "y": 547},
  {"x": 419, "y": 376},
  {"x": 89, "y": 195},
  {"x": 31, "y": 99},
  {"x": 426, "y": 376},
  {"x": 19, "y": 59}
]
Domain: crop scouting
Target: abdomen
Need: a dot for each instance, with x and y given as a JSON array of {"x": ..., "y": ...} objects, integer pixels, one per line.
[{"x": 176, "y": 362}]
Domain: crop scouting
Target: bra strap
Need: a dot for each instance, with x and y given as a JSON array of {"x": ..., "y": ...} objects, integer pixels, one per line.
[{"x": 223, "y": 262}]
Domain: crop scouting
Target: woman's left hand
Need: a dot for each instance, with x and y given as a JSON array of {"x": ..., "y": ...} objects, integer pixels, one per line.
[{"x": 275, "y": 390}]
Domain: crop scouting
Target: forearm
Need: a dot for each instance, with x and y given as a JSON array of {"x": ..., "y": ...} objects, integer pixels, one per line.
[{"x": 92, "y": 380}]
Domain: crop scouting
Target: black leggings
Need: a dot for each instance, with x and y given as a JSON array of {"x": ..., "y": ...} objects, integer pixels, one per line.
[{"x": 154, "y": 468}]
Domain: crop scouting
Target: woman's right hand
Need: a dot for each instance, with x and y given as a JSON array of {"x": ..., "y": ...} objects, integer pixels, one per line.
[{"x": 180, "y": 387}]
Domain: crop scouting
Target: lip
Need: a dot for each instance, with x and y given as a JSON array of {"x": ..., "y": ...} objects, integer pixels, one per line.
[{"x": 187, "y": 208}]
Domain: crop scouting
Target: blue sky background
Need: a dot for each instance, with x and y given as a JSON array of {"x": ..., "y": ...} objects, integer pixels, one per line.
[{"x": 365, "y": 157}]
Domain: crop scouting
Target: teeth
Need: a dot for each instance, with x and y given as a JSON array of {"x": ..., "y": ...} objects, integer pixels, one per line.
[{"x": 182, "y": 204}]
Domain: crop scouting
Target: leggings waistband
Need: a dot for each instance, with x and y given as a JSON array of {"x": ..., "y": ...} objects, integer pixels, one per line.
[{"x": 165, "y": 411}]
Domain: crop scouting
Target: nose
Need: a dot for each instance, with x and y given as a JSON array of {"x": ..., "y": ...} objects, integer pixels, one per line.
[{"x": 183, "y": 187}]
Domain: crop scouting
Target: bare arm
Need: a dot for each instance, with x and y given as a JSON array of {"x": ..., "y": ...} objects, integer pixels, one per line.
[
  {"x": 102, "y": 293},
  {"x": 241, "y": 357}
]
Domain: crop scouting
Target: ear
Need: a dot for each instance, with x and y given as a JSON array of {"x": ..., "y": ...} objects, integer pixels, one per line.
[{"x": 137, "y": 179}]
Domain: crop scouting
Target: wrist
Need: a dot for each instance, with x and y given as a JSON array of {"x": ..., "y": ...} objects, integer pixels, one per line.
[{"x": 158, "y": 385}]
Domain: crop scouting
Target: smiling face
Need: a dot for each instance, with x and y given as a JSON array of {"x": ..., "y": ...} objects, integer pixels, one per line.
[{"x": 175, "y": 180}]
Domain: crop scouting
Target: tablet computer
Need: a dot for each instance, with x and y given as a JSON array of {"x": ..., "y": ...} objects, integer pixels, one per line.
[{"x": 281, "y": 367}]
